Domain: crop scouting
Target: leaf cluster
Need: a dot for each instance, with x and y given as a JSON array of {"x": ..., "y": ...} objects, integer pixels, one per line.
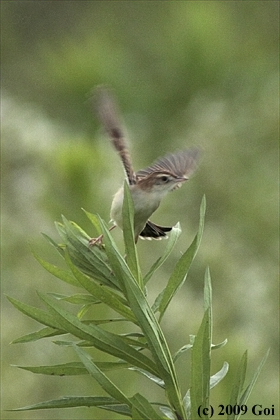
[{"x": 106, "y": 277}]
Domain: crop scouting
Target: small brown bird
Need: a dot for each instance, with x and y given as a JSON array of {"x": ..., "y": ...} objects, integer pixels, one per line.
[{"x": 148, "y": 186}]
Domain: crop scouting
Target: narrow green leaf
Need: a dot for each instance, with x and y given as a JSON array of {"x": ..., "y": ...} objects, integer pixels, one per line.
[
  {"x": 177, "y": 279},
  {"x": 207, "y": 290},
  {"x": 69, "y": 369},
  {"x": 238, "y": 384},
  {"x": 61, "y": 230},
  {"x": 138, "y": 344},
  {"x": 148, "y": 375},
  {"x": 187, "y": 403},
  {"x": 219, "y": 345},
  {"x": 166, "y": 410},
  {"x": 64, "y": 275},
  {"x": 109, "y": 387},
  {"x": 35, "y": 313},
  {"x": 108, "y": 366},
  {"x": 187, "y": 347},
  {"x": 181, "y": 351},
  {"x": 207, "y": 295},
  {"x": 180, "y": 272},
  {"x": 38, "y": 335},
  {"x": 156, "y": 340},
  {"x": 200, "y": 368},
  {"x": 95, "y": 221},
  {"x": 117, "y": 262},
  {"x": 128, "y": 235},
  {"x": 103, "y": 340},
  {"x": 147, "y": 321},
  {"x": 72, "y": 368},
  {"x": 105, "y": 295},
  {"x": 122, "y": 409},
  {"x": 77, "y": 233},
  {"x": 236, "y": 396},
  {"x": 84, "y": 310},
  {"x": 104, "y": 321},
  {"x": 58, "y": 247},
  {"x": 77, "y": 299},
  {"x": 67, "y": 402},
  {"x": 52, "y": 332},
  {"x": 92, "y": 260},
  {"x": 201, "y": 346},
  {"x": 142, "y": 408},
  {"x": 174, "y": 235},
  {"x": 215, "y": 379},
  {"x": 247, "y": 392}
]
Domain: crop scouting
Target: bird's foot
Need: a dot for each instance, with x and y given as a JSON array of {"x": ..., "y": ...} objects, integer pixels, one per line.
[{"x": 96, "y": 241}]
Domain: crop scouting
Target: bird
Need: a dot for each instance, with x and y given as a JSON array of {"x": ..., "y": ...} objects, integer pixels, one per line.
[{"x": 147, "y": 186}]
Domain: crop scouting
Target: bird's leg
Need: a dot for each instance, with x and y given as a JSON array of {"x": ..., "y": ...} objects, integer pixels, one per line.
[{"x": 99, "y": 239}]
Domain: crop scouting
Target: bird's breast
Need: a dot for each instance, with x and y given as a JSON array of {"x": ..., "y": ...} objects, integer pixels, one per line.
[{"x": 145, "y": 203}]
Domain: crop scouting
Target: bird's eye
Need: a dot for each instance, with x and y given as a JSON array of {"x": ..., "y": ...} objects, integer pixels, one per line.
[{"x": 164, "y": 178}]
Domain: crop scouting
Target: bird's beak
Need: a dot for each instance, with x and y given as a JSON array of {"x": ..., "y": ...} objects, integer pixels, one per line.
[
  {"x": 179, "y": 182},
  {"x": 182, "y": 179}
]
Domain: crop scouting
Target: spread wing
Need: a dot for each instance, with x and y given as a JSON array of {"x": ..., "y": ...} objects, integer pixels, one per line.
[
  {"x": 181, "y": 163},
  {"x": 110, "y": 118}
]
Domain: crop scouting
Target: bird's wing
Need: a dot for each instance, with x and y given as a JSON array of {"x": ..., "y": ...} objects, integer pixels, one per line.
[
  {"x": 182, "y": 163},
  {"x": 109, "y": 116}
]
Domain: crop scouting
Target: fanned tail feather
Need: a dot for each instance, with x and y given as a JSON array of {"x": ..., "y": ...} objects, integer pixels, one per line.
[{"x": 153, "y": 231}]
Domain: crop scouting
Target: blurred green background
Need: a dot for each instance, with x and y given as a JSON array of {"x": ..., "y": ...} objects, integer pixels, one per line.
[{"x": 186, "y": 73}]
